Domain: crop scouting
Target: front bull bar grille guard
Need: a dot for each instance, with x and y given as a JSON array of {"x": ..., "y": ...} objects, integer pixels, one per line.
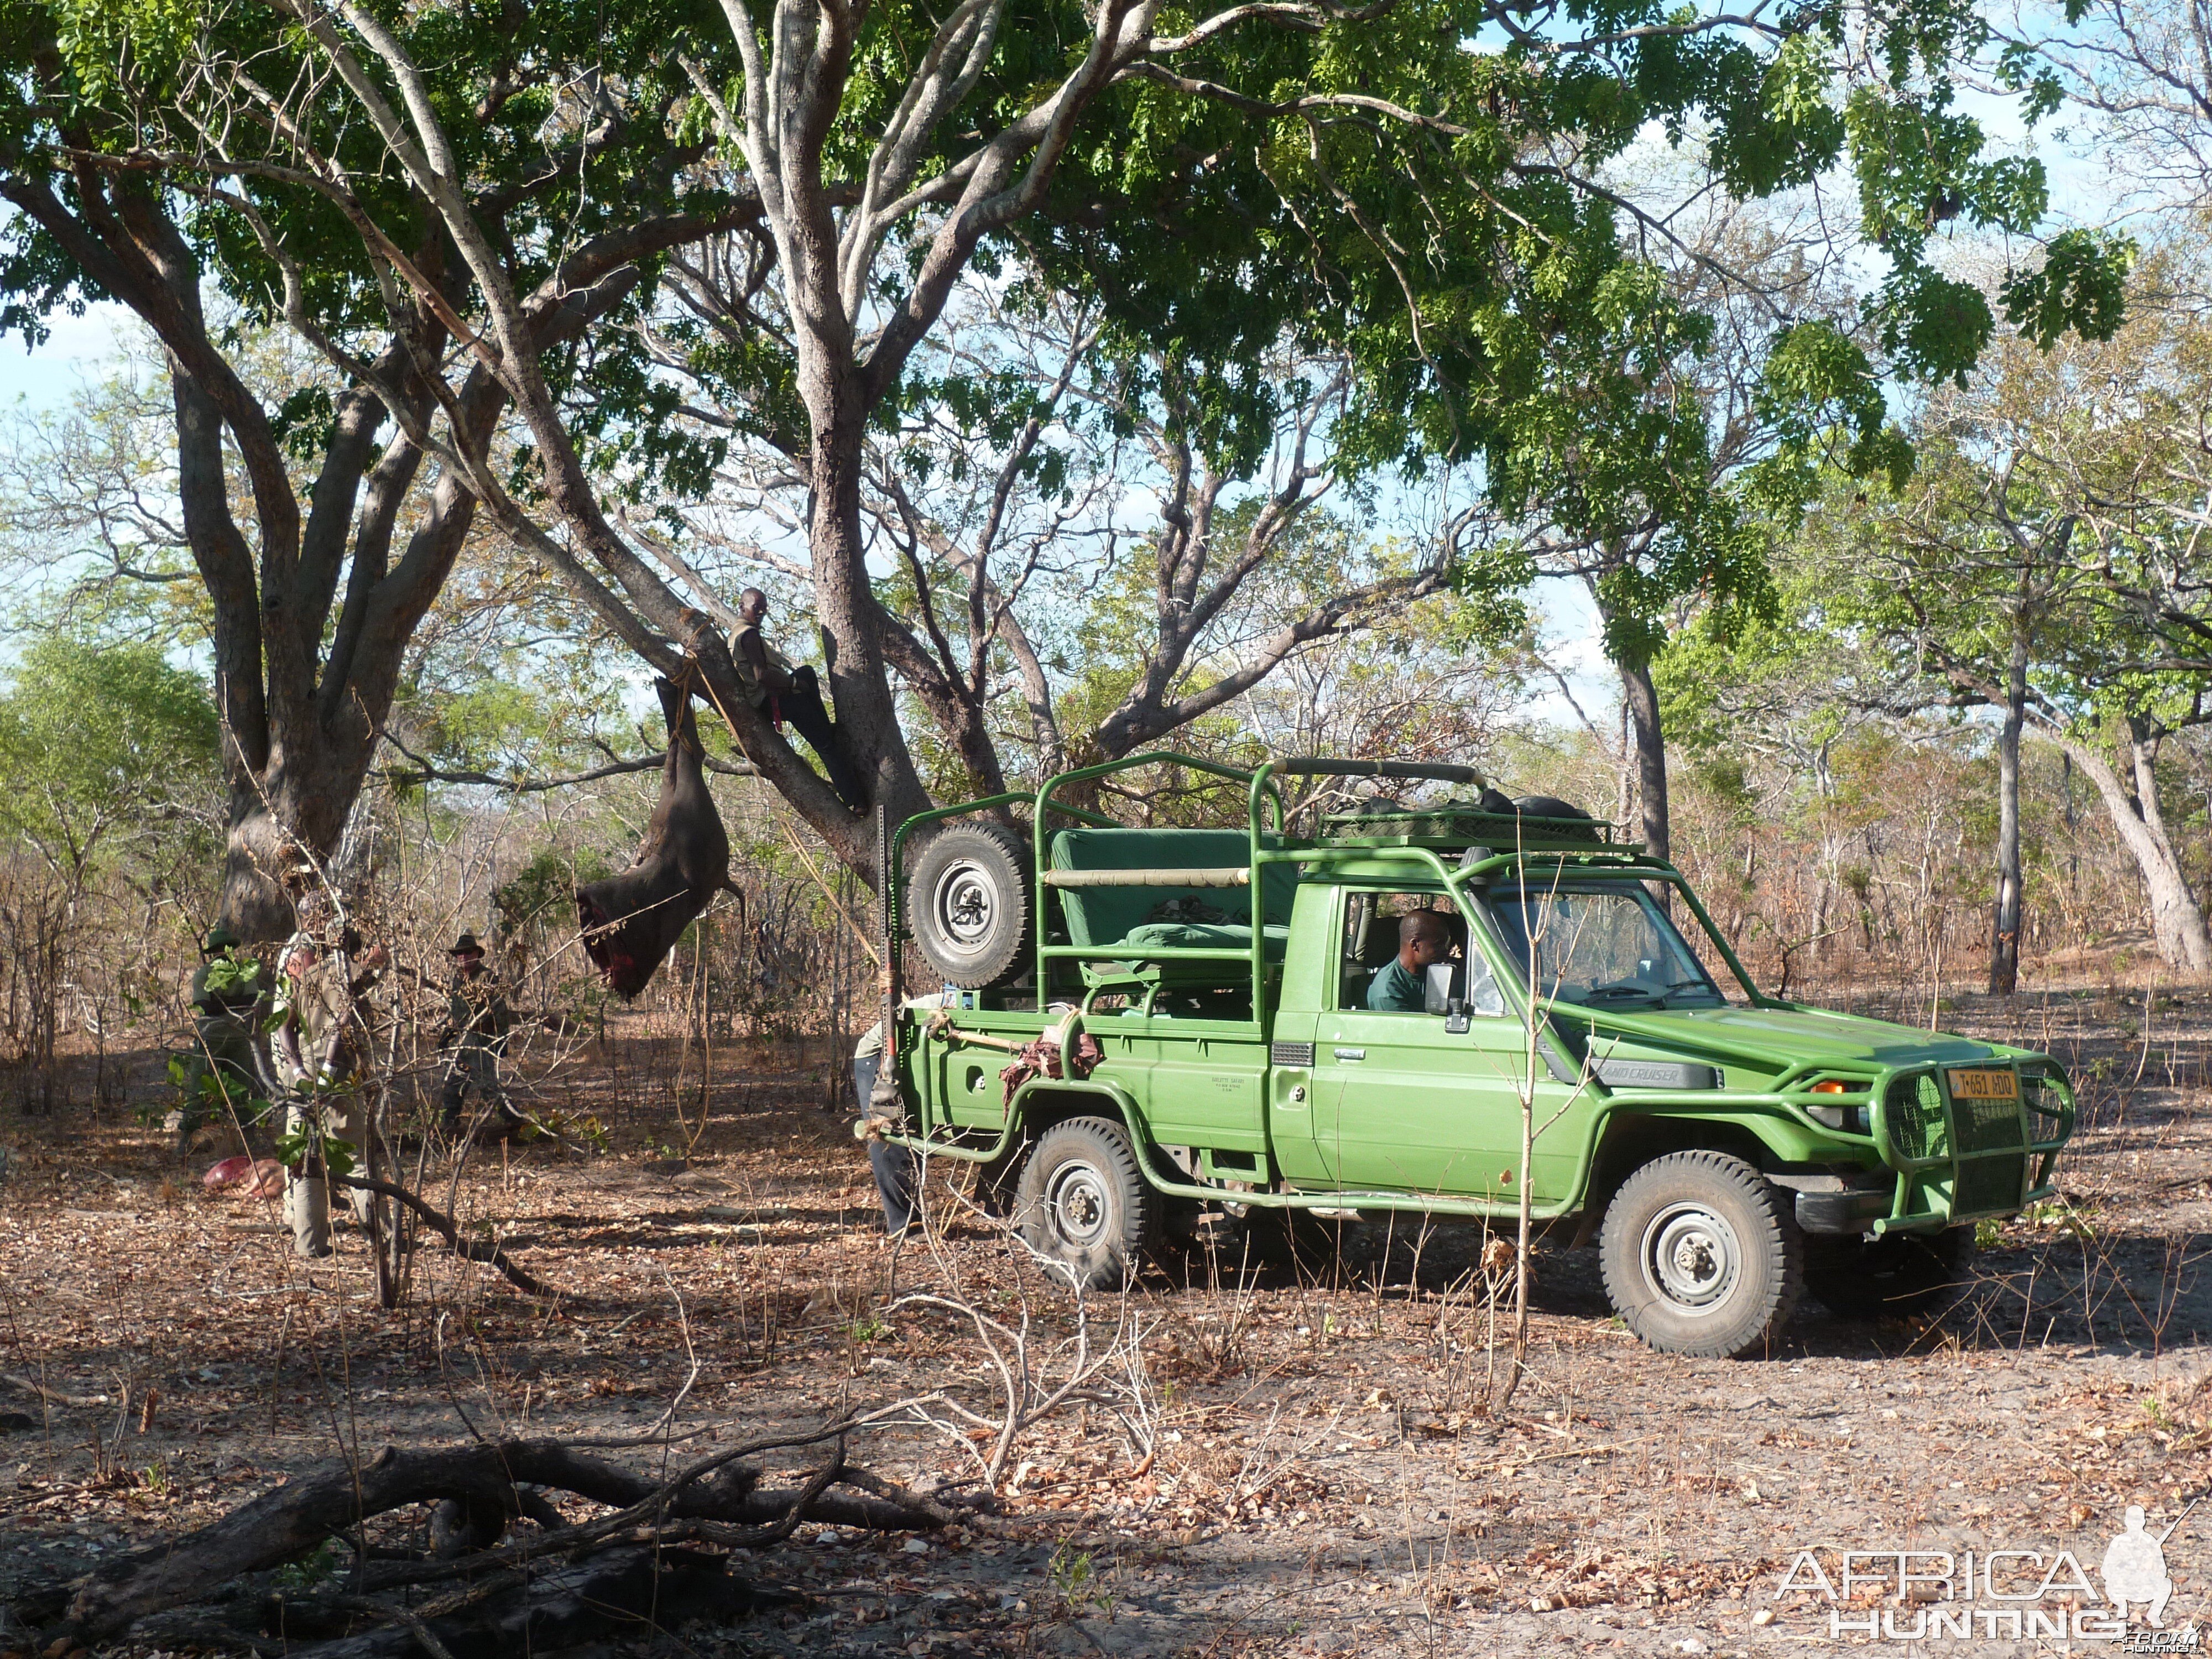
[{"x": 1958, "y": 1160}]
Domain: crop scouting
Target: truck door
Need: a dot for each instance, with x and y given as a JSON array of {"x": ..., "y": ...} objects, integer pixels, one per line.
[{"x": 1399, "y": 1102}]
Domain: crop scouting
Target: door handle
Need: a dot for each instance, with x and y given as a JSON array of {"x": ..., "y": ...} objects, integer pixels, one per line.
[{"x": 1351, "y": 1054}]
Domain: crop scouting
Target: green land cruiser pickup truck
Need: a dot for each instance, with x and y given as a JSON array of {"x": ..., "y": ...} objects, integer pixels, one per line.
[{"x": 1726, "y": 1149}]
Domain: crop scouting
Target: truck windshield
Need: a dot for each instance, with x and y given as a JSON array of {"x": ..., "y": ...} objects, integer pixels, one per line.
[{"x": 1602, "y": 946}]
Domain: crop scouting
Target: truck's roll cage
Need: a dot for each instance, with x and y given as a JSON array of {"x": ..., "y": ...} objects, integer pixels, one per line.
[{"x": 1560, "y": 855}]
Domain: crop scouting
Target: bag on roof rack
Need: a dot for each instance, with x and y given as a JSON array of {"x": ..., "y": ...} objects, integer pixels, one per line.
[{"x": 1491, "y": 820}]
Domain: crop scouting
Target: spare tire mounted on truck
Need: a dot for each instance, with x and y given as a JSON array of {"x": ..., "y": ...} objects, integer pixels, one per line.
[{"x": 970, "y": 900}]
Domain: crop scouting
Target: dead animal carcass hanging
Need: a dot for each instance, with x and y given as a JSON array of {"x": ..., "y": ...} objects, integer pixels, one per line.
[{"x": 632, "y": 921}]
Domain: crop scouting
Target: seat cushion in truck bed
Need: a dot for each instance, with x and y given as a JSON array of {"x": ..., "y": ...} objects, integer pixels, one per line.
[{"x": 1108, "y": 916}]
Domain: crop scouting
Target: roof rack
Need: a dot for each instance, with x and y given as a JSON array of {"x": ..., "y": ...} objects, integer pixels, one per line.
[{"x": 1464, "y": 825}]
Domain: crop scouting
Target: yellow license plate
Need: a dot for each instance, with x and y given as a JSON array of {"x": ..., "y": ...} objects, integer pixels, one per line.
[{"x": 1985, "y": 1085}]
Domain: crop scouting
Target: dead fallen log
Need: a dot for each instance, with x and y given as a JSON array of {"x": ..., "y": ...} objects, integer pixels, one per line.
[
  {"x": 278, "y": 1527},
  {"x": 718, "y": 1496},
  {"x": 194, "y": 1630},
  {"x": 469, "y": 1249},
  {"x": 656, "y": 1519}
]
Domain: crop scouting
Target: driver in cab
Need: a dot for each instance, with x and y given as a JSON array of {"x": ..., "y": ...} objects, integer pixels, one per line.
[{"x": 1401, "y": 988}]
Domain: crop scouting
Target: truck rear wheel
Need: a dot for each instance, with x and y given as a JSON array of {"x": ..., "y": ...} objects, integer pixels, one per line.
[
  {"x": 1083, "y": 1204},
  {"x": 969, "y": 904},
  {"x": 1699, "y": 1257},
  {"x": 1897, "y": 1273}
]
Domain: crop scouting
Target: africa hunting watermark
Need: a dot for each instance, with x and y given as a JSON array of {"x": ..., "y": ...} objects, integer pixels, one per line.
[{"x": 2018, "y": 1594}]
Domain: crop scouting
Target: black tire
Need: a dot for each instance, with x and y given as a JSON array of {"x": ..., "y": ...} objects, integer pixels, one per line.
[
  {"x": 968, "y": 903},
  {"x": 1899, "y": 1273},
  {"x": 1083, "y": 1204},
  {"x": 1700, "y": 1257}
]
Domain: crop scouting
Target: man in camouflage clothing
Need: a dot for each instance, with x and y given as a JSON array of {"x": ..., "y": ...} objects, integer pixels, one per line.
[
  {"x": 476, "y": 1025},
  {"x": 229, "y": 994},
  {"x": 322, "y": 1053}
]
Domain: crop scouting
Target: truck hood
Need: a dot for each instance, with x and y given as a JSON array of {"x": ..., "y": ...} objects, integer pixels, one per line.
[{"x": 1774, "y": 1038}]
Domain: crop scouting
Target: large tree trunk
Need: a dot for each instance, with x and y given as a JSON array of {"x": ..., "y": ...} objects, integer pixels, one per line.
[
  {"x": 271, "y": 814},
  {"x": 1643, "y": 700},
  {"x": 2004, "y": 922},
  {"x": 295, "y": 778},
  {"x": 298, "y": 800},
  {"x": 867, "y": 715},
  {"x": 312, "y": 604},
  {"x": 2177, "y": 920},
  {"x": 309, "y": 634}
]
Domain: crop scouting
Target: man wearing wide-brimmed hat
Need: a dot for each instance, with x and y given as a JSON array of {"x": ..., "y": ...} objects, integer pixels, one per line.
[{"x": 477, "y": 1021}]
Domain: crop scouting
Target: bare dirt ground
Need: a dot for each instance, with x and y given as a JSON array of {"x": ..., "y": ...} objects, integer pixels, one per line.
[{"x": 1274, "y": 1462}]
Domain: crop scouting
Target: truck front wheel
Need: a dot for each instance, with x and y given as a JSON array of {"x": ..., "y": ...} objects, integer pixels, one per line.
[
  {"x": 1083, "y": 1204},
  {"x": 1699, "y": 1258}
]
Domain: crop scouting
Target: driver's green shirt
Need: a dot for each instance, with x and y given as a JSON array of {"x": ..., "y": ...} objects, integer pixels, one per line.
[{"x": 1397, "y": 990}]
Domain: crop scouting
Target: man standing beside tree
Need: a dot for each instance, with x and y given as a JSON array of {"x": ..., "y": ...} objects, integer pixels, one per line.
[
  {"x": 478, "y": 1021},
  {"x": 322, "y": 1050},
  {"x": 229, "y": 992}
]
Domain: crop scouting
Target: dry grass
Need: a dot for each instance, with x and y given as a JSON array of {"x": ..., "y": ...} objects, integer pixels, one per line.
[{"x": 1246, "y": 1460}]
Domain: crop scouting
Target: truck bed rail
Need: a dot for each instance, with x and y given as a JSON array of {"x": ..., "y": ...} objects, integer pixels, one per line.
[{"x": 1237, "y": 875}]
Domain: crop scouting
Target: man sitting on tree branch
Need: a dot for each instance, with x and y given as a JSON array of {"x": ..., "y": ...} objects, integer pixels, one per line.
[{"x": 784, "y": 692}]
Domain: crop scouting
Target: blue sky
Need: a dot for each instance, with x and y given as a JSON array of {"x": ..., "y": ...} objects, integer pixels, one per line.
[{"x": 42, "y": 379}]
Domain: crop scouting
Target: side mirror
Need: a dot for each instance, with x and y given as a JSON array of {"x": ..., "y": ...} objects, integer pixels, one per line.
[{"x": 1455, "y": 1019}]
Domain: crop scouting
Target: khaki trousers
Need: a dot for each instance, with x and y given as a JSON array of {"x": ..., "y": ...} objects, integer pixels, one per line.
[{"x": 307, "y": 1189}]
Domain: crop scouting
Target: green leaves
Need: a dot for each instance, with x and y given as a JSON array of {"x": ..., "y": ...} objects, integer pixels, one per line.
[
  {"x": 213, "y": 1094},
  {"x": 1819, "y": 397},
  {"x": 304, "y": 422},
  {"x": 2051, "y": 522},
  {"x": 146, "y": 77},
  {"x": 305, "y": 1139},
  {"x": 2018, "y": 71},
  {"x": 1495, "y": 304},
  {"x": 1780, "y": 126},
  {"x": 1490, "y": 586},
  {"x": 1456, "y": 208},
  {"x": 230, "y": 973},
  {"x": 511, "y": 728},
  {"x": 107, "y": 43},
  {"x": 103, "y": 744},
  {"x": 2080, "y": 288},
  {"x": 1933, "y": 327}
]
